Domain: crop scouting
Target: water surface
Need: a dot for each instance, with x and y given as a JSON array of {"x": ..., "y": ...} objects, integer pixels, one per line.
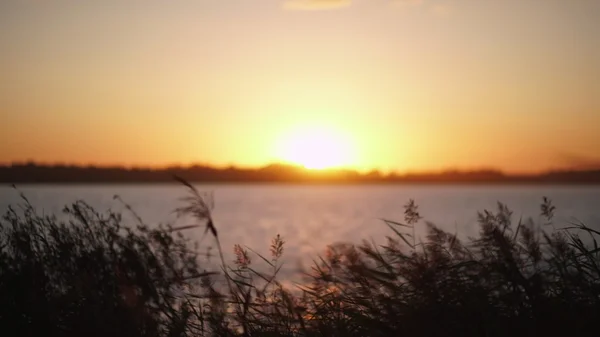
[{"x": 311, "y": 217}]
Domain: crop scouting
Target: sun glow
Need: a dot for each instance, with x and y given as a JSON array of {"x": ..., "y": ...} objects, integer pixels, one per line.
[{"x": 317, "y": 148}]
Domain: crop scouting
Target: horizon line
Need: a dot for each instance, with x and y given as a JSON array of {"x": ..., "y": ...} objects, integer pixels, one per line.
[{"x": 166, "y": 167}]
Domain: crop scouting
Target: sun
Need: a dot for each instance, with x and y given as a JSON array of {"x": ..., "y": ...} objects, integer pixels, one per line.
[{"x": 316, "y": 148}]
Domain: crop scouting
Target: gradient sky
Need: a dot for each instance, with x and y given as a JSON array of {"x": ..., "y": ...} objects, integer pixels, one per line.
[{"x": 417, "y": 85}]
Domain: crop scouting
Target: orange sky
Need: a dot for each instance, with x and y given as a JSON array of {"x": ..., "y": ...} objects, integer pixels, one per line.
[{"x": 414, "y": 84}]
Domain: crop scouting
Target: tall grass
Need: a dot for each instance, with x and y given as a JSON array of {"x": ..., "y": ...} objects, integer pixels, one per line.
[{"x": 94, "y": 276}]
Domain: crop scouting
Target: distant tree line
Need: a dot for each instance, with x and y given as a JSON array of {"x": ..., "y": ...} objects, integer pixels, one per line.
[{"x": 275, "y": 173}]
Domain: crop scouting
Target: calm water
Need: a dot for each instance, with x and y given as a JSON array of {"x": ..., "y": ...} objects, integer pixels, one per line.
[{"x": 310, "y": 217}]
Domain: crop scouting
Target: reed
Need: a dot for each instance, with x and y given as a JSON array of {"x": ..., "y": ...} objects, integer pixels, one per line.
[{"x": 95, "y": 275}]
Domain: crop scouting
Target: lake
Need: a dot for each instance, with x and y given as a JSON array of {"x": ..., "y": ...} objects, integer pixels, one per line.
[{"x": 311, "y": 217}]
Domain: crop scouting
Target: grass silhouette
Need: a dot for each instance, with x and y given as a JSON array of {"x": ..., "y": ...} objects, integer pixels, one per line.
[{"x": 94, "y": 275}]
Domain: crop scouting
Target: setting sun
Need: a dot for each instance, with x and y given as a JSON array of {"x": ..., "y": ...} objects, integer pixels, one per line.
[{"x": 316, "y": 148}]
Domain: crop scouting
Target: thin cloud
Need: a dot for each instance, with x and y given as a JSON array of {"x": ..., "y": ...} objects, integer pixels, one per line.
[{"x": 316, "y": 4}]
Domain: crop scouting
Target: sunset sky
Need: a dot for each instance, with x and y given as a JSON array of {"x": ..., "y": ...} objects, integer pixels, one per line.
[{"x": 399, "y": 85}]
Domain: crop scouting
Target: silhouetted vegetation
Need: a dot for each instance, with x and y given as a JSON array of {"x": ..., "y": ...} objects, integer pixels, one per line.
[
  {"x": 276, "y": 173},
  {"x": 91, "y": 276},
  {"x": 95, "y": 276}
]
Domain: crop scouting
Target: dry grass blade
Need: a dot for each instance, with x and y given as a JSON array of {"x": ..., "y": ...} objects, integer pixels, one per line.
[
  {"x": 129, "y": 209},
  {"x": 185, "y": 183},
  {"x": 400, "y": 235},
  {"x": 180, "y": 228},
  {"x": 390, "y": 222},
  {"x": 260, "y": 255},
  {"x": 197, "y": 205}
]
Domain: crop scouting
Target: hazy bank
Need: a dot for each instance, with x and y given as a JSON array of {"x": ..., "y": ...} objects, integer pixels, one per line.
[{"x": 63, "y": 174}]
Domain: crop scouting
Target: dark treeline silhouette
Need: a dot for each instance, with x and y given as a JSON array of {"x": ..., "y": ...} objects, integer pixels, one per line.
[{"x": 275, "y": 173}]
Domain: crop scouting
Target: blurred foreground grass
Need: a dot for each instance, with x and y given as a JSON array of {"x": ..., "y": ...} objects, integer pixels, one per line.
[{"x": 96, "y": 275}]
